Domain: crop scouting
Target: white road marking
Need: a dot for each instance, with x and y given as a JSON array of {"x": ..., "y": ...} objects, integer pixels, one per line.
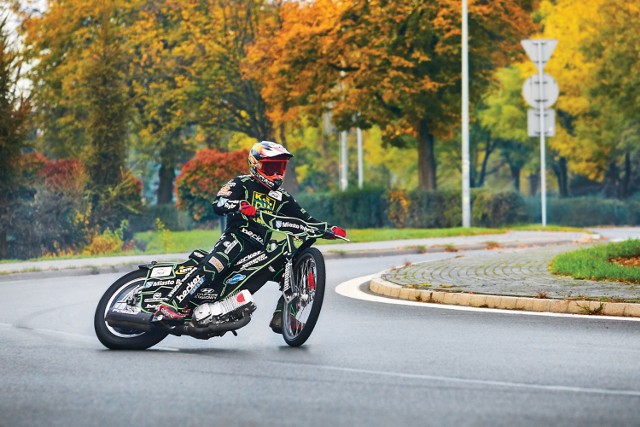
[{"x": 351, "y": 289}]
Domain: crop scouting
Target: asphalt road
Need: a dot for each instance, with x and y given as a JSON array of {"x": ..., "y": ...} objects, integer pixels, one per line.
[{"x": 367, "y": 364}]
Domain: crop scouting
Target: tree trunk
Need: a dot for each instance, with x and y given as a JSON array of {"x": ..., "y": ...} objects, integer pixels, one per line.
[
  {"x": 625, "y": 190},
  {"x": 166, "y": 176},
  {"x": 534, "y": 180},
  {"x": 560, "y": 170},
  {"x": 426, "y": 158},
  {"x": 4, "y": 251},
  {"x": 515, "y": 176},
  {"x": 488, "y": 149},
  {"x": 611, "y": 180}
]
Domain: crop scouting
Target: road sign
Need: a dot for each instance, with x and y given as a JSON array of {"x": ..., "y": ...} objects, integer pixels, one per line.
[
  {"x": 533, "y": 122},
  {"x": 538, "y": 98},
  {"x": 539, "y": 51},
  {"x": 541, "y": 92}
]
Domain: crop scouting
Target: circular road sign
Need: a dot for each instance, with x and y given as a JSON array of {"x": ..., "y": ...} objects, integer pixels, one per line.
[{"x": 531, "y": 91}]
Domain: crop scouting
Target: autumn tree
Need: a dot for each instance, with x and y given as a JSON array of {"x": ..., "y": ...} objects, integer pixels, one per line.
[
  {"x": 78, "y": 74},
  {"x": 395, "y": 64},
  {"x": 227, "y": 99},
  {"x": 615, "y": 93},
  {"x": 162, "y": 53},
  {"x": 105, "y": 92},
  {"x": 14, "y": 112},
  {"x": 596, "y": 67},
  {"x": 202, "y": 177}
]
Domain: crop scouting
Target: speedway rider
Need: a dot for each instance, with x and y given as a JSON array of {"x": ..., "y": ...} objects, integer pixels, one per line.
[{"x": 238, "y": 199}]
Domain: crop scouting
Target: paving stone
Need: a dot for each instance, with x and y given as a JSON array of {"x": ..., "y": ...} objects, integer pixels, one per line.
[{"x": 509, "y": 272}]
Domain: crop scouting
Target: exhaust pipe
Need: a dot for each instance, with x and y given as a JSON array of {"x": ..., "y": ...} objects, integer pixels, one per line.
[
  {"x": 206, "y": 332},
  {"x": 140, "y": 321}
]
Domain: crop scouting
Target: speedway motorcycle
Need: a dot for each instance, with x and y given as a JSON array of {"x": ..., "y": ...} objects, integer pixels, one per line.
[{"x": 124, "y": 318}]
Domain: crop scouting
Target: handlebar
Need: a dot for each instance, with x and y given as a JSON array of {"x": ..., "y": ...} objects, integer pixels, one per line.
[{"x": 295, "y": 226}]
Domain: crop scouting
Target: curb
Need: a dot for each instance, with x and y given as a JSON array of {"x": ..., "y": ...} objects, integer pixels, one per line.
[
  {"x": 67, "y": 272},
  {"x": 391, "y": 290}
]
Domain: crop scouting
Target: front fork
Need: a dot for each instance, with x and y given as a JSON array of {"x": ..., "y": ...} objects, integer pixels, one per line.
[{"x": 287, "y": 292}]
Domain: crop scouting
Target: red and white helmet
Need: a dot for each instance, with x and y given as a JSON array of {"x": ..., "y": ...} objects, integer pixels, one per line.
[{"x": 268, "y": 163}]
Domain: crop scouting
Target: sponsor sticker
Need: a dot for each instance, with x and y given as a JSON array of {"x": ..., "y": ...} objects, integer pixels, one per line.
[
  {"x": 276, "y": 195},
  {"x": 207, "y": 294},
  {"x": 253, "y": 235},
  {"x": 255, "y": 261},
  {"x": 235, "y": 279},
  {"x": 248, "y": 257},
  {"x": 230, "y": 246},
  {"x": 161, "y": 272},
  {"x": 182, "y": 270},
  {"x": 263, "y": 201},
  {"x": 216, "y": 263},
  {"x": 191, "y": 287}
]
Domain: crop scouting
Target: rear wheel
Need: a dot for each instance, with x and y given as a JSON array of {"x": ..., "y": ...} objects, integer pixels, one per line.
[
  {"x": 117, "y": 295},
  {"x": 300, "y": 315}
]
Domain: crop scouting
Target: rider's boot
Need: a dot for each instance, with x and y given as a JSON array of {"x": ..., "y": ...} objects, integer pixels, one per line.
[
  {"x": 276, "y": 320},
  {"x": 167, "y": 312}
]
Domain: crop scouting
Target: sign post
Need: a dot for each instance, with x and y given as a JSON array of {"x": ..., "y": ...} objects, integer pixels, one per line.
[
  {"x": 466, "y": 164},
  {"x": 539, "y": 51}
]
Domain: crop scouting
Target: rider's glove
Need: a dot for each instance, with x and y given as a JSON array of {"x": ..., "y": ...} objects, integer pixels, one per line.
[
  {"x": 247, "y": 209},
  {"x": 338, "y": 231}
]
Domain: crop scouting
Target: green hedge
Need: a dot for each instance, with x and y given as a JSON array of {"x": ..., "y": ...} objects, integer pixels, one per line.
[
  {"x": 173, "y": 219},
  {"x": 380, "y": 208},
  {"x": 355, "y": 208},
  {"x": 374, "y": 208},
  {"x": 585, "y": 211}
]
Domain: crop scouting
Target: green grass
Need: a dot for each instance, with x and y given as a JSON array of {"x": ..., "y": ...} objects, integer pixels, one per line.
[
  {"x": 185, "y": 241},
  {"x": 594, "y": 263},
  {"x": 177, "y": 241},
  {"x": 382, "y": 234}
]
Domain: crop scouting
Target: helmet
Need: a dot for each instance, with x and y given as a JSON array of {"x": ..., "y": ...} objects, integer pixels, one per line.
[{"x": 268, "y": 163}]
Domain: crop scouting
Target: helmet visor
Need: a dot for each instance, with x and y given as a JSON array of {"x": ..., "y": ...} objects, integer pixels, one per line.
[{"x": 273, "y": 167}]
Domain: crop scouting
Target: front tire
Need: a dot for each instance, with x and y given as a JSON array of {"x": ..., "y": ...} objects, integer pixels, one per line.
[
  {"x": 299, "y": 316},
  {"x": 119, "y": 338}
]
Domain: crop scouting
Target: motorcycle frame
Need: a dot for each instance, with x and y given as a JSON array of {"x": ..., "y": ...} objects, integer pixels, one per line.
[{"x": 278, "y": 256}]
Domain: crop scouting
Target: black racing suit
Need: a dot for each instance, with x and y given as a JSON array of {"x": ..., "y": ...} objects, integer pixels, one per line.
[{"x": 242, "y": 236}]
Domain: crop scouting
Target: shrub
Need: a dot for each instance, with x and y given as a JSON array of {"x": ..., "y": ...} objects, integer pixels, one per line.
[
  {"x": 124, "y": 201},
  {"x": 202, "y": 176},
  {"x": 108, "y": 242},
  {"x": 498, "y": 209},
  {"x": 399, "y": 208}
]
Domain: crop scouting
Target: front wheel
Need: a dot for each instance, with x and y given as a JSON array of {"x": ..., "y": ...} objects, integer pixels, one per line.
[
  {"x": 116, "y": 338},
  {"x": 300, "y": 315}
]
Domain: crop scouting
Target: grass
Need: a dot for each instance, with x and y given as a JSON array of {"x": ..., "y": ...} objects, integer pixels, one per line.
[
  {"x": 595, "y": 263},
  {"x": 177, "y": 241},
  {"x": 185, "y": 241}
]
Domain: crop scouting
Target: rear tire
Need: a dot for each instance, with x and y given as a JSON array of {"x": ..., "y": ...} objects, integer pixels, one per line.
[
  {"x": 119, "y": 338},
  {"x": 299, "y": 316}
]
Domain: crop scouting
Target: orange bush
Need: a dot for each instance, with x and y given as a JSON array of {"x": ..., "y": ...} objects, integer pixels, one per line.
[{"x": 202, "y": 177}]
